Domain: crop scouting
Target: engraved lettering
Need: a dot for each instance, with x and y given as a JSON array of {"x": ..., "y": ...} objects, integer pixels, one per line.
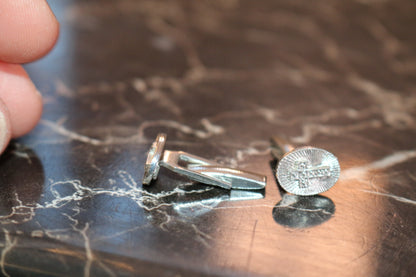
[{"x": 303, "y": 172}]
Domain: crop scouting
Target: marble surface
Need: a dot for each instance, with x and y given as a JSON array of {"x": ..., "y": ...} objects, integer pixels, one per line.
[{"x": 220, "y": 77}]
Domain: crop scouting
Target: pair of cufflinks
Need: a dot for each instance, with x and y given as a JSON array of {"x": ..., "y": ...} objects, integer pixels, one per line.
[{"x": 300, "y": 171}]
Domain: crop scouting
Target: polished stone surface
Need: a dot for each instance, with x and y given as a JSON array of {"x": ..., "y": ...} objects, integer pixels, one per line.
[{"x": 220, "y": 78}]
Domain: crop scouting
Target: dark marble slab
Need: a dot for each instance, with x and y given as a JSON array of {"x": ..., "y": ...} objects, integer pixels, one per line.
[{"x": 220, "y": 78}]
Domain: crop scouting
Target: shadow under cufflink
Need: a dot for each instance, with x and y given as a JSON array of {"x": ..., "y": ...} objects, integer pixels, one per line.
[
  {"x": 301, "y": 211},
  {"x": 191, "y": 203}
]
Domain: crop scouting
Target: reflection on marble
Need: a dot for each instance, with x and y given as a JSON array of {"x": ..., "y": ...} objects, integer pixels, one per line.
[
  {"x": 303, "y": 212},
  {"x": 220, "y": 78},
  {"x": 194, "y": 199}
]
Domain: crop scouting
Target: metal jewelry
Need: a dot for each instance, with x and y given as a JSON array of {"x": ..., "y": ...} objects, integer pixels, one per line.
[
  {"x": 305, "y": 170},
  {"x": 197, "y": 169}
]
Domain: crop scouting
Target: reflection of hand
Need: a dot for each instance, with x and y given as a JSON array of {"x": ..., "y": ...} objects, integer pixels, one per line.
[{"x": 28, "y": 30}]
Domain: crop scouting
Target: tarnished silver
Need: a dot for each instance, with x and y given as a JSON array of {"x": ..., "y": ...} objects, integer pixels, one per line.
[
  {"x": 304, "y": 170},
  {"x": 198, "y": 169}
]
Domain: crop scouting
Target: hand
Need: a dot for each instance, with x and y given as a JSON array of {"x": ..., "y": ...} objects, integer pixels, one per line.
[{"x": 28, "y": 31}]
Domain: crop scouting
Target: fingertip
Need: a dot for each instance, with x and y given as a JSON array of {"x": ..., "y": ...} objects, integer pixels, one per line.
[
  {"x": 26, "y": 112},
  {"x": 23, "y": 101},
  {"x": 28, "y": 29}
]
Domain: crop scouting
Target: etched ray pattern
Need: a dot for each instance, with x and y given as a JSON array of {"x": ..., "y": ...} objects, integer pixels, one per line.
[{"x": 308, "y": 171}]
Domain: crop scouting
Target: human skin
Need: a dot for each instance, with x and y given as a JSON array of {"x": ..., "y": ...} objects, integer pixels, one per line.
[{"x": 28, "y": 31}]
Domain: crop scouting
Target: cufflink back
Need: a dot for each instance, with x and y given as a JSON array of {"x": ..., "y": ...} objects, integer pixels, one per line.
[{"x": 198, "y": 169}]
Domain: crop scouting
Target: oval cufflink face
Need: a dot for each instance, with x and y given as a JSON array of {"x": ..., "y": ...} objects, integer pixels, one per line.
[
  {"x": 308, "y": 171},
  {"x": 151, "y": 168}
]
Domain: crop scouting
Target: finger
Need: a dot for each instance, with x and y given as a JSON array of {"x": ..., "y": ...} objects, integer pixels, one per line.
[
  {"x": 22, "y": 100},
  {"x": 28, "y": 30},
  {"x": 5, "y": 129}
]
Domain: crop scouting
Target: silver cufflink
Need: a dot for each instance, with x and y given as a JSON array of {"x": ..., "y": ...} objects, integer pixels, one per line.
[
  {"x": 304, "y": 170},
  {"x": 197, "y": 169}
]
